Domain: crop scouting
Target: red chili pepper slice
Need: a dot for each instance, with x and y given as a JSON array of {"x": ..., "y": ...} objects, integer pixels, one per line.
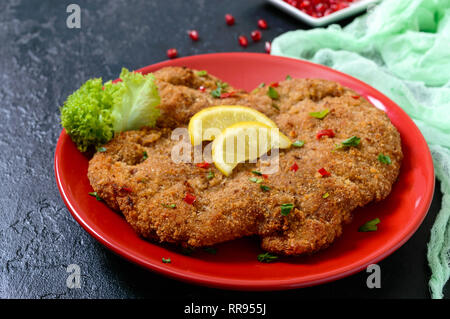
[
  {"x": 265, "y": 176},
  {"x": 203, "y": 165},
  {"x": 327, "y": 132},
  {"x": 189, "y": 198},
  {"x": 324, "y": 172},
  {"x": 294, "y": 167},
  {"x": 275, "y": 84},
  {"x": 355, "y": 97},
  {"x": 127, "y": 189},
  {"x": 225, "y": 95},
  {"x": 202, "y": 89}
]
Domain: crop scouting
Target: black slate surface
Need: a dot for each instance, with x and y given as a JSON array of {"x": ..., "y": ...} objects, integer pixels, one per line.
[{"x": 41, "y": 62}]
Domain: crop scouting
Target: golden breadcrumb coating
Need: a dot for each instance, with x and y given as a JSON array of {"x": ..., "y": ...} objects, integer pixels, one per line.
[{"x": 136, "y": 175}]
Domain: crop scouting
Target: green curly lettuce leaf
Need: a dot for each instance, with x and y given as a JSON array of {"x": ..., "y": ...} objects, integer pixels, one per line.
[
  {"x": 135, "y": 101},
  {"x": 86, "y": 115},
  {"x": 95, "y": 112}
]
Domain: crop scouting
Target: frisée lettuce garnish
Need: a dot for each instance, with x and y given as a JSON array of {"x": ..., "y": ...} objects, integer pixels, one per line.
[{"x": 96, "y": 111}]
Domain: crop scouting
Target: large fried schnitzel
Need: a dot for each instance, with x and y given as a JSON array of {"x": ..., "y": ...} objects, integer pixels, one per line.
[{"x": 136, "y": 175}]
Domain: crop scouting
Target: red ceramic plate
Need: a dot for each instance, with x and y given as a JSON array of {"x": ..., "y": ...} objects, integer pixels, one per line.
[{"x": 234, "y": 266}]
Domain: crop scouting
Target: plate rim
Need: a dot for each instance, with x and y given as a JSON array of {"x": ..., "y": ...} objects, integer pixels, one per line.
[{"x": 242, "y": 284}]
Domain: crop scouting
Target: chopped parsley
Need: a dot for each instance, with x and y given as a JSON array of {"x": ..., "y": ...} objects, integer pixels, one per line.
[
  {"x": 385, "y": 159},
  {"x": 262, "y": 85},
  {"x": 288, "y": 77},
  {"x": 201, "y": 73},
  {"x": 264, "y": 188},
  {"x": 267, "y": 258},
  {"x": 275, "y": 106},
  {"x": 325, "y": 195},
  {"x": 169, "y": 205},
  {"x": 298, "y": 143},
  {"x": 351, "y": 141},
  {"x": 320, "y": 114},
  {"x": 101, "y": 149},
  {"x": 166, "y": 260},
  {"x": 144, "y": 155},
  {"x": 224, "y": 85},
  {"x": 94, "y": 194},
  {"x": 217, "y": 93},
  {"x": 272, "y": 93},
  {"x": 255, "y": 180},
  {"x": 371, "y": 225},
  {"x": 286, "y": 209},
  {"x": 257, "y": 173},
  {"x": 210, "y": 175}
]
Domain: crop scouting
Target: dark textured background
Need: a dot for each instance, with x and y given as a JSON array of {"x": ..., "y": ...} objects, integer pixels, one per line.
[{"x": 41, "y": 62}]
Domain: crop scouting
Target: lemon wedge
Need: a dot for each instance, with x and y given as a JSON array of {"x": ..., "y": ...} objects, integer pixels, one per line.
[
  {"x": 210, "y": 122},
  {"x": 245, "y": 141}
]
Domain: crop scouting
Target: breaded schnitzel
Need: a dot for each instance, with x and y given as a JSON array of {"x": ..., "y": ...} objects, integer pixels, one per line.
[{"x": 136, "y": 175}]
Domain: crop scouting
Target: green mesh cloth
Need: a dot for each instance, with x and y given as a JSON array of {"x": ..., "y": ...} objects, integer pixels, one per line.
[{"x": 402, "y": 48}]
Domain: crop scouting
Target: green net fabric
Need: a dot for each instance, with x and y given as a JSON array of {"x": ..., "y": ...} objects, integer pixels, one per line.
[{"x": 402, "y": 48}]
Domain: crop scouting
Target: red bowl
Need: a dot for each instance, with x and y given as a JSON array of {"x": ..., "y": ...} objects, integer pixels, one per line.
[{"x": 235, "y": 266}]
